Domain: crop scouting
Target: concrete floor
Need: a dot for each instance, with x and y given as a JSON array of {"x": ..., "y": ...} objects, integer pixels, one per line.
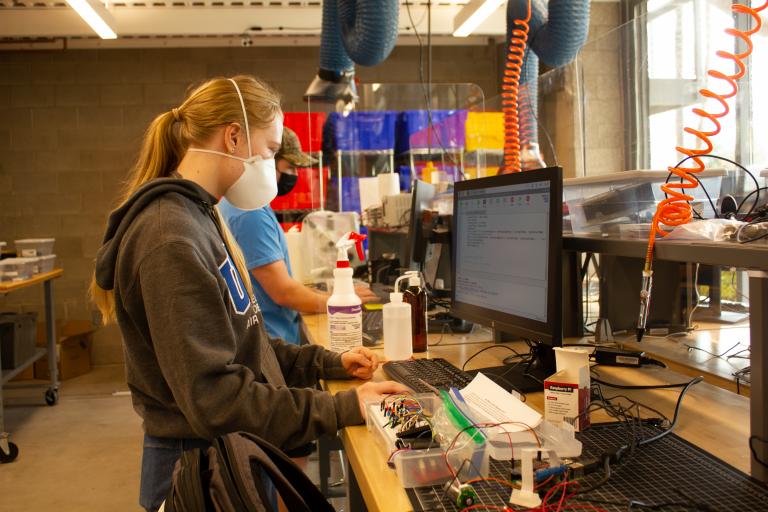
[{"x": 84, "y": 453}]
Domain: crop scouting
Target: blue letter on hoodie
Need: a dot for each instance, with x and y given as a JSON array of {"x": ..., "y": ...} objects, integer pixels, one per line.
[{"x": 237, "y": 291}]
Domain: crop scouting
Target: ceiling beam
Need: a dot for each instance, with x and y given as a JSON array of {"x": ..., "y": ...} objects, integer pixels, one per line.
[{"x": 209, "y": 21}]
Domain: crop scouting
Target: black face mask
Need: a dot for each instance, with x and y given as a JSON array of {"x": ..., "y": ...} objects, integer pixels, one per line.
[{"x": 286, "y": 183}]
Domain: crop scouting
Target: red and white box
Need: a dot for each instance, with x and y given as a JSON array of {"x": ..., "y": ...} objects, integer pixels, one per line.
[{"x": 566, "y": 393}]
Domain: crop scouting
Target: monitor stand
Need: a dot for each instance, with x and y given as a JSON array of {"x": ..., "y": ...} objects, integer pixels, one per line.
[{"x": 523, "y": 376}]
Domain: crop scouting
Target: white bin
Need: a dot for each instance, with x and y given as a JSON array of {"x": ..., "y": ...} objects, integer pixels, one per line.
[{"x": 31, "y": 247}]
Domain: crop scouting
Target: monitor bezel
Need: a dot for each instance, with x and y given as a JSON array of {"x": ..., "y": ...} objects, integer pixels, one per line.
[{"x": 549, "y": 332}]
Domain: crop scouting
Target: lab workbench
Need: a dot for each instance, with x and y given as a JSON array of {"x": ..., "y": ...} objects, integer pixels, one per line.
[
  {"x": 751, "y": 257},
  {"x": 707, "y": 412},
  {"x": 9, "y": 451}
]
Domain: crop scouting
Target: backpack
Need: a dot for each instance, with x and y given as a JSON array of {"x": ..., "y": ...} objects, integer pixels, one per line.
[{"x": 227, "y": 477}]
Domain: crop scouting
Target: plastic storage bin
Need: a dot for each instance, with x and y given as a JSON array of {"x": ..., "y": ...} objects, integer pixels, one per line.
[
  {"x": 448, "y": 123},
  {"x": 363, "y": 131},
  {"x": 34, "y": 247},
  {"x": 448, "y": 133},
  {"x": 308, "y": 127},
  {"x": 306, "y": 194},
  {"x": 23, "y": 267},
  {"x": 17, "y": 338},
  {"x": 43, "y": 264},
  {"x": 485, "y": 130},
  {"x": 628, "y": 197},
  {"x": 419, "y": 468}
]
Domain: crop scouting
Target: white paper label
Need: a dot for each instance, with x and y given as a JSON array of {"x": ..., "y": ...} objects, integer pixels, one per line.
[{"x": 345, "y": 327}]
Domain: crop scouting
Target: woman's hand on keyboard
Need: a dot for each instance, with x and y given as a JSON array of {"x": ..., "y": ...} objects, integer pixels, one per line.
[
  {"x": 360, "y": 362},
  {"x": 376, "y": 391}
]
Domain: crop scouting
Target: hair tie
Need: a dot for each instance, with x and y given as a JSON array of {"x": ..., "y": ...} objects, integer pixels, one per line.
[{"x": 176, "y": 114}]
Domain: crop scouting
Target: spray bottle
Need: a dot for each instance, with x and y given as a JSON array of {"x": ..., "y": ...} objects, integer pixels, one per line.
[
  {"x": 416, "y": 296},
  {"x": 345, "y": 312}
]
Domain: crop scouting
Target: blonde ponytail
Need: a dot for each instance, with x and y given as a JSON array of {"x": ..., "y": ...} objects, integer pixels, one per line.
[
  {"x": 208, "y": 107},
  {"x": 235, "y": 251}
]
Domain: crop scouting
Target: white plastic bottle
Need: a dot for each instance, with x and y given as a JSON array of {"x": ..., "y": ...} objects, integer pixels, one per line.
[
  {"x": 397, "y": 329},
  {"x": 345, "y": 312}
]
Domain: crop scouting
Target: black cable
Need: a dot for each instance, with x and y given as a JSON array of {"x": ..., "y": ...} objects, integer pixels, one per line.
[
  {"x": 671, "y": 427},
  {"x": 757, "y": 185},
  {"x": 656, "y": 386},
  {"x": 753, "y": 239},
  {"x": 425, "y": 92},
  {"x": 756, "y": 191},
  {"x": 518, "y": 354},
  {"x": 602, "y": 481},
  {"x": 754, "y": 452}
]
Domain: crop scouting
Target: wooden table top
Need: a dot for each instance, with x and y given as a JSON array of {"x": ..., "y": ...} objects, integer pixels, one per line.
[
  {"x": 711, "y": 418},
  {"x": 38, "y": 279}
]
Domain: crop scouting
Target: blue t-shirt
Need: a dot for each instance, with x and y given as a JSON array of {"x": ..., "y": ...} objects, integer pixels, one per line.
[{"x": 263, "y": 242}]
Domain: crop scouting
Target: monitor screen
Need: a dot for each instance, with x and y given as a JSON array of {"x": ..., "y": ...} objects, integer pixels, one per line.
[{"x": 507, "y": 262}]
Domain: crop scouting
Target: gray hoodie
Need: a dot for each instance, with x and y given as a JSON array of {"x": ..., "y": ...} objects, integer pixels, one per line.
[{"x": 199, "y": 362}]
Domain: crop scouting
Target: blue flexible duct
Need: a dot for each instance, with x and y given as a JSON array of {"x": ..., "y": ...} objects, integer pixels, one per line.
[
  {"x": 360, "y": 32},
  {"x": 557, "y": 31}
]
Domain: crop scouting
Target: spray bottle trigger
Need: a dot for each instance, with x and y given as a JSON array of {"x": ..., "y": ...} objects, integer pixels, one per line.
[{"x": 358, "y": 239}]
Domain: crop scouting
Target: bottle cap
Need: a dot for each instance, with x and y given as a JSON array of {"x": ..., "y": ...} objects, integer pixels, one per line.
[
  {"x": 395, "y": 297},
  {"x": 414, "y": 281}
]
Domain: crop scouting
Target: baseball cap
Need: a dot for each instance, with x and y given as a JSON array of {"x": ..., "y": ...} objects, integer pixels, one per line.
[{"x": 290, "y": 150}]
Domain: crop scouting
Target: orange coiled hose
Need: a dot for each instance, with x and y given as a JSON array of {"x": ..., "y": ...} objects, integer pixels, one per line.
[
  {"x": 676, "y": 210},
  {"x": 510, "y": 89}
]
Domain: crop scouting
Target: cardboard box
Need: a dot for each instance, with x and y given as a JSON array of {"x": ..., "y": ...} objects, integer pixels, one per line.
[
  {"x": 27, "y": 374},
  {"x": 567, "y": 392},
  {"x": 73, "y": 347}
]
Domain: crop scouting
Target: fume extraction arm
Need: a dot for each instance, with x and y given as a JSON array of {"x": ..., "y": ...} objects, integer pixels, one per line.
[
  {"x": 360, "y": 32},
  {"x": 556, "y": 31}
]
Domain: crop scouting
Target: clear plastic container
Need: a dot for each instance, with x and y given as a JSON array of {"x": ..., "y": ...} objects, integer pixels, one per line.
[
  {"x": 31, "y": 247},
  {"x": 23, "y": 267},
  {"x": 397, "y": 329},
  {"x": 418, "y": 468},
  {"x": 628, "y": 197},
  {"x": 43, "y": 264}
]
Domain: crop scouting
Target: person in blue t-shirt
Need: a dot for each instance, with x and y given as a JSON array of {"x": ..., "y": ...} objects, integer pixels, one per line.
[{"x": 262, "y": 240}]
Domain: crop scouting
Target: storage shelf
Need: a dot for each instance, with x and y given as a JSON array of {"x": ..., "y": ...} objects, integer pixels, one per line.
[{"x": 9, "y": 374}]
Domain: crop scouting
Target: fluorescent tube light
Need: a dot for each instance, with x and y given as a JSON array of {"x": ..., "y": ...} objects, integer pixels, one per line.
[
  {"x": 472, "y": 15},
  {"x": 96, "y": 16}
]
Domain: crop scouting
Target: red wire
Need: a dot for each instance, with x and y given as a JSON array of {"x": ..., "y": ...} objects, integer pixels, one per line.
[
  {"x": 510, "y": 90},
  {"x": 675, "y": 210}
]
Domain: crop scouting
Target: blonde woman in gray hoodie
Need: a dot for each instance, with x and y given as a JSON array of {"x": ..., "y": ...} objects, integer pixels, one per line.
[{"x": 199, "y": 362}]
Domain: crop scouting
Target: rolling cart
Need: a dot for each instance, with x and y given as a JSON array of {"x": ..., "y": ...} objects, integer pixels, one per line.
[{"x": 8, "y": 450}]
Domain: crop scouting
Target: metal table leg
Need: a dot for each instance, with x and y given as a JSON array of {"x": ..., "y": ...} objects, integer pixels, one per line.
[
  {"x": 51, "y": 397},
  {"x": 355, "y": 501},
  {"x": 3, "y": 434},
  {"x": 758, "y": 330}
]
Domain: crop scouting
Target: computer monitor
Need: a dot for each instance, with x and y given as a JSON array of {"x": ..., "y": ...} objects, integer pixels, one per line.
[
  {"x": 507, "y": 264},
  {"x": 422, "y": 194}
]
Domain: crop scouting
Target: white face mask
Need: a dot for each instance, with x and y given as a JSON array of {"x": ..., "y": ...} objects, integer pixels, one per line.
[{"x": 257, "y": 186}]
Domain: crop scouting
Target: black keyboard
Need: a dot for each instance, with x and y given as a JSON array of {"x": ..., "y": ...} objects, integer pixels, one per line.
[
  {"x": 437, "y": 372},
  {"x": 373, "y": 322}
]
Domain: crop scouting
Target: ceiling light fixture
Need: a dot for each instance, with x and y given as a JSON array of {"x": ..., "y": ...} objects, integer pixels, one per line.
[
  {"x": 96, "y": 16},
  {"x": 472, "y": 15}
]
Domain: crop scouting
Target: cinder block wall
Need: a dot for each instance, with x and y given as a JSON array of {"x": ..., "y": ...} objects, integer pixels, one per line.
[{"x": 71, "y": 123}]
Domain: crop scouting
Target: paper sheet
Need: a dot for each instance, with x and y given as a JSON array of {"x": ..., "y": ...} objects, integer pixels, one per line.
[{"x": 490, "y": 403}]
